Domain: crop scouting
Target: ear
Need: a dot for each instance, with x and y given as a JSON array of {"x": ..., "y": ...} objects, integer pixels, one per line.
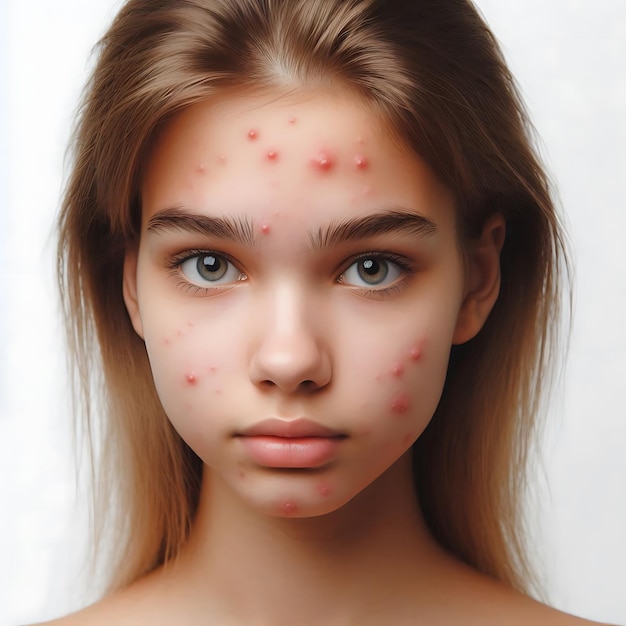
[
  {"x": 482, "y": 280},
  {"x": 129, "y": 288}
]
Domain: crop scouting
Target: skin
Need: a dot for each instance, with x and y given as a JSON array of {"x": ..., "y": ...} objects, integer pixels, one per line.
[{"x": 293, "y": 329}]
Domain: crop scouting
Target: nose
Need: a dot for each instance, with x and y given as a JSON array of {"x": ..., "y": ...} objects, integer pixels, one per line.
[{"x": 291, "y": 354}]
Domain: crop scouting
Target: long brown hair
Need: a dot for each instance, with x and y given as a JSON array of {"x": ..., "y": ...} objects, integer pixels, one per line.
[{"x": 435, "y": 71}]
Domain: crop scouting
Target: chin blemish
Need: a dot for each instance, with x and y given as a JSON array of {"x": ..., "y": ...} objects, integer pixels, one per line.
[{"x": 288, "y": 508}]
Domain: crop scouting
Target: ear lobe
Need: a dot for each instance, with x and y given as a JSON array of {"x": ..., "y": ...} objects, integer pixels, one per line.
[
  {"x": 129, "y": 289},
  {"x": 483, "y": 280}
]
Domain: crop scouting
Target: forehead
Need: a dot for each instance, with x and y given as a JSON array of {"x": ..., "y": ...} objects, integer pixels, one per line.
[{"x": 324, "y": 155}]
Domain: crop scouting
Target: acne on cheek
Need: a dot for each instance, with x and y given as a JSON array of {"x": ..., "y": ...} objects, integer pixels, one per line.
[
  {"x": 400, "y": 404},
  {"x": 265, "y": 229},
  {"x": 271, "y": 156},
  {"x": 397, "y": 370}
]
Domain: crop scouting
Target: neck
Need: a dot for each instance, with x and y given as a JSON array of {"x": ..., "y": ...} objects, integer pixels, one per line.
[{"x": 262, "y": 568}]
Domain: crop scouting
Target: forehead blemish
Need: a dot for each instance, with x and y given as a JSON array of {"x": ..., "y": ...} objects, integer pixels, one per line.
[
  {"x": 288, "y": 508},
  {"x": 397, "y": 370},
  {"x": 191, "y": 378},
  {"x": 271, "y": 155},
  {"x": 400, "y": 404},
  {"x": 324, "y": 161},
  {"x": 361, "y": 162},
  {"x": 253, "y": 134}
]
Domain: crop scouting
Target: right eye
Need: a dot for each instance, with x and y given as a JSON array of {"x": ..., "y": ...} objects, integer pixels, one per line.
[{"x": 210, "y": 269}]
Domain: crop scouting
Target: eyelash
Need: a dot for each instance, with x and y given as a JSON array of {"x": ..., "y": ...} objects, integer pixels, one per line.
[
  {"x": 405, "y": 266},
  {"x": 175, "y": 263}
]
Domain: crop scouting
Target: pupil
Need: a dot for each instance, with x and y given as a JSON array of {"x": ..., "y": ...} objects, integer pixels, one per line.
[
  {"x": 373, "y": 271},
  {"x": 211, "y": 267}
]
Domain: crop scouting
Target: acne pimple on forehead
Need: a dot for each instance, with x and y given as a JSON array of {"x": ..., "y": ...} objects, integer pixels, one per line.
[
  {"x": 400, "y": 404},
  {"x": 191, "y": 378},
  {"x": 271, "y": 155},
  {"x": 252, "y": 134},
  {"x": 288, "y": 508},
  {"x": 397, "y": 370},
  {"x": 324, "y": 161}
]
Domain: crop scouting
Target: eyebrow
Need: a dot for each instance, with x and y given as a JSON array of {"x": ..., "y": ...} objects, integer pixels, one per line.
[
  {"x": 395, "y": 221},
  {"x": 241, "y": 229}
]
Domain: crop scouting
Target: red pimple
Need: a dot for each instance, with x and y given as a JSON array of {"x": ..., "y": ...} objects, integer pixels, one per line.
[
  {"x": 361, "y": 162},
  {"x": 397, "y": 370},
  {"x": 323, "y": 161},
  {"x": 292, "y": 120},
  {"x": 252, "y": 134},
  {"x": 191, "y": 379},
  {"x": 324, "y": 490},
  {"x": 400, "y": 404},
  {"x": 272, "y": 155},
  {"x": 415, "y": 354},
  {"x": 201, "y": 169},
  {"x": 288, "y": 508},
  {"x": 265, "y": 229}
]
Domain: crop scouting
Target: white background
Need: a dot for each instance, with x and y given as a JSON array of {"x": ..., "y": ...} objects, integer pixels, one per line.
[{"x": 570, "y": 59}]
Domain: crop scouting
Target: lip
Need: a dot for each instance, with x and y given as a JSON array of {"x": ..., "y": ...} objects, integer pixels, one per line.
[
  {"x": 298, "y": 428},
  {"x": 293, "y": 444}
]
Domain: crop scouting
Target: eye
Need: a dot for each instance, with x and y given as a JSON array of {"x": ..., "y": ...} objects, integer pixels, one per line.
[
  {"x": 372, "y": 271},
  {"x": 210, "y": 267}
]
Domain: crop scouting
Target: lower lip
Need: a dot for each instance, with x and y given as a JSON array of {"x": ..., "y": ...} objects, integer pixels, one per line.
[{"x": 291, "y": 452}]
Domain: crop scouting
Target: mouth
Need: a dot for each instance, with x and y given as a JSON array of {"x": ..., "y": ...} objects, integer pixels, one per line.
[{"x": 292, "y": 444}]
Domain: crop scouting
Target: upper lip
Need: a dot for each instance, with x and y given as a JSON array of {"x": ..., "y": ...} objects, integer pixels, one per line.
[{"x": 294, "y": 428}]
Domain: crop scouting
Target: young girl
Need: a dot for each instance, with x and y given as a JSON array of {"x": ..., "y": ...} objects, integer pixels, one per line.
[{"x": 319, "y": 265}]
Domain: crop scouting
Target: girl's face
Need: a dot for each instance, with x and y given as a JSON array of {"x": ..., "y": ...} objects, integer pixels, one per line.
[{"x": 298, "y": 285}]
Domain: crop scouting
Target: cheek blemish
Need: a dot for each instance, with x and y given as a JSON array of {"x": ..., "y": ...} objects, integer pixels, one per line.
[
  {"x": 272, "y": 156},
  {"x": 397, "y": 370},
  {"x": 400, "y": 404},
  {"x": 361, "y": 162},
  {"x": 288, "y": 508},
  {"x": 265, "y": 229},
  {"x": 415, "y": 353},
  {"x": 191, "y": 378},
  {"x": 252, "y": 134},
  {"x": 323, "y": 162},
  {"x": 201, "y": 169}
]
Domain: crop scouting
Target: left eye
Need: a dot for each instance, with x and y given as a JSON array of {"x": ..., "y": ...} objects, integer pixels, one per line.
[
  {"x": 209, "y": 268},
  {"x": 371, "y": 271}
]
